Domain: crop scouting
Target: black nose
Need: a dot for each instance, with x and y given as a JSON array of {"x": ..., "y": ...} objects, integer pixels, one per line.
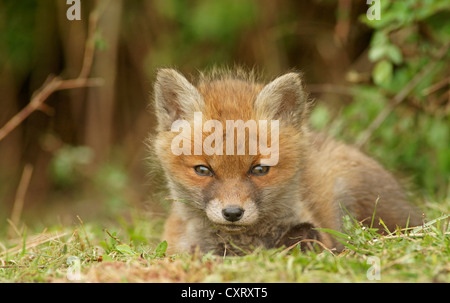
[{"x": 232, "y": 213}]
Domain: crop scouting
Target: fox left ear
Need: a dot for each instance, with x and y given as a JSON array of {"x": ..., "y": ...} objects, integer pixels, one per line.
[
  {"x": 283, "y": 99},
  {"x": 175, "y": 98}
]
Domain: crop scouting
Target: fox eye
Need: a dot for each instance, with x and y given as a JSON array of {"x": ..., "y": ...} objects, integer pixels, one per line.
[
  {"x": 202, "y": 170},
  {"x": 259, "y": 170}
]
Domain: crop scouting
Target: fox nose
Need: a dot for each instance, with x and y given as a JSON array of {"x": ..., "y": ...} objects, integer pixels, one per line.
[{"x": 232, "y": 213}]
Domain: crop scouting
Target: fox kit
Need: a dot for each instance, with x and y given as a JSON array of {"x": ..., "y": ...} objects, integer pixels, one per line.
[{"x": 231, "y": 202}]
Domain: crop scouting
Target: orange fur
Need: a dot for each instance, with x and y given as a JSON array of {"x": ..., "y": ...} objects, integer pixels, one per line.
[{"x": 314, "y": 177}]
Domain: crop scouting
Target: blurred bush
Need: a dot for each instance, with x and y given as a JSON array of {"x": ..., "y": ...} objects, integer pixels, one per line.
[{"x": 411, "y": 42}]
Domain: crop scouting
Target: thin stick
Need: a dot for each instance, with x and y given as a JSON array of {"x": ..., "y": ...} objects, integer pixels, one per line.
[
  {"x": 42, "y": 94},
  {"x": 434, "y": 87},
  {"x": 90, "y": 45},
  {"x": 20, "y": 197},
  {"x": 114, "y": 237}
]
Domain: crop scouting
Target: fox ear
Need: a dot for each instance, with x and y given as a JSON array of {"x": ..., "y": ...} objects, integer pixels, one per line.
[
  {"x": 175, "y": 98},
  {"x": 283, "y": 99}
]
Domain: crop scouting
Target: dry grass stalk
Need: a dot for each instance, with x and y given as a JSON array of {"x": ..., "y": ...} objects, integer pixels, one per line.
[{"x": 20, "y": 199}]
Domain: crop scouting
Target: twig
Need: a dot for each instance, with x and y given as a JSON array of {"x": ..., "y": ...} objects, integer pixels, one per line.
[
  {"x": 20, "y": 198},
  {"x": 43, "y": 93},
  {"x": 114, "y": 237},
  {"x": 90, "y": 44},
  {"x": 401, "y": 96},
  {"x": 434, "y": 87}
]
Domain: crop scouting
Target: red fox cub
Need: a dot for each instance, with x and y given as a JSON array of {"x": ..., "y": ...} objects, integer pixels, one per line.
[{"x": 244, "y": 170}]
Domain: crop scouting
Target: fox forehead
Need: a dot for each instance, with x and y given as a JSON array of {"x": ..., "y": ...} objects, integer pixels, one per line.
[{"x": 229, "y": 99}]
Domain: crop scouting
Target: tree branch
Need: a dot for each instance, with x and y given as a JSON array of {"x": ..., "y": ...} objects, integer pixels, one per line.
[{"x": 53, "y": 84}]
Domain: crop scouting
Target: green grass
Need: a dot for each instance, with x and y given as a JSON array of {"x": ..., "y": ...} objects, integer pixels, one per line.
[{"x": 131, "y": 252}]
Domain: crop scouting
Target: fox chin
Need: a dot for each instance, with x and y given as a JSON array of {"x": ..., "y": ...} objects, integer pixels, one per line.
[{"x": 245, "y": 170}]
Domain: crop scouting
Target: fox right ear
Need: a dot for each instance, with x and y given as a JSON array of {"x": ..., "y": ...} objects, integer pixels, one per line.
[
  {"x": 284, "y": 98},
  {"x": 175, "y": 98}
]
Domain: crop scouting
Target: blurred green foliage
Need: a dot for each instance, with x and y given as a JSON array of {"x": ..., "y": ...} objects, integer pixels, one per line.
[
  {"x": 415, "y": 137},
  {"x": 69, "y": 163},
  {"x": 212, "y": 26},
  {"x": 71, "y": 169},
  {"x": 17, "y": 32}
]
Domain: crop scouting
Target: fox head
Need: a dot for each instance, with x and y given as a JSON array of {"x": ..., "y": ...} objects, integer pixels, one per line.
[{"x": 232, "y": 190}]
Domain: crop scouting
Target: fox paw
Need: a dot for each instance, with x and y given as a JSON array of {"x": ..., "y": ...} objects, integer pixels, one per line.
[{"x": 302, "y": 234}]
